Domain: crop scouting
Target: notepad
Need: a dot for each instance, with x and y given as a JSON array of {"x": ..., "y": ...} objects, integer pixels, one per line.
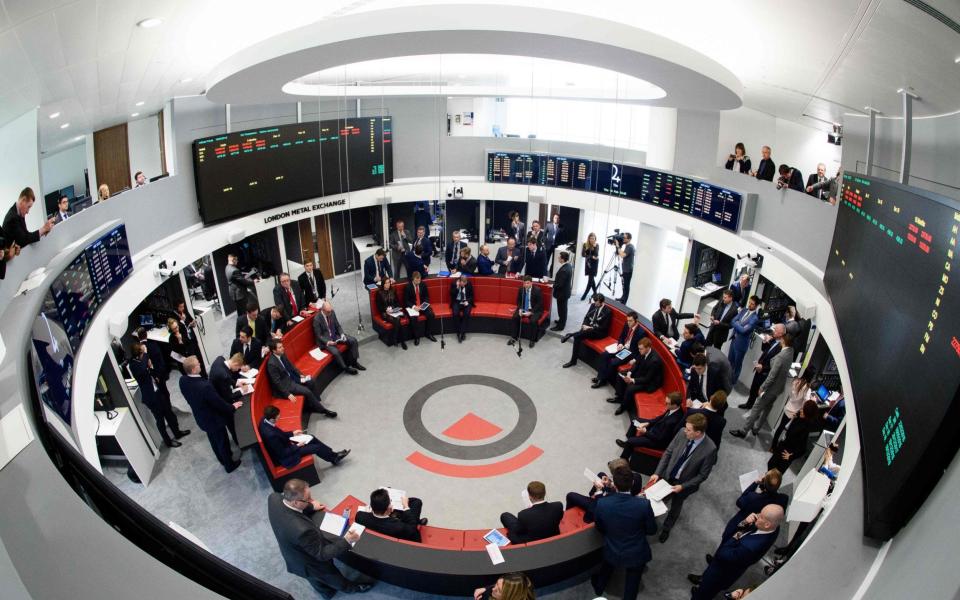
[
  {"x": 413, "y": 312},
  {"x": 748, "y": 479},
  {"x": 296, "y": 319},
  {"x": 425, "y": 306},
  {"x": 590, "y": 475},
  {"x": 612, "y": 348},
  {"x": 658, "y": 491},
  {"x": 493, "y": 551},
  {"x": 317, "y": 354},
  {"x": 176, "y": 356},
  {"x": 333, "y": 524},
  {"x": 356, "y": 528},
  {"x": 396, "y": 497},
  {"x": 303, "y": 438},
  {"x": 525, "y": 498},
  {"x": 250, "y": 373}
]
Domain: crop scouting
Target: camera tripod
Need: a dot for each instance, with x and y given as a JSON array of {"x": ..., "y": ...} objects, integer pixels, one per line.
[{"x": 611, "y": 273}]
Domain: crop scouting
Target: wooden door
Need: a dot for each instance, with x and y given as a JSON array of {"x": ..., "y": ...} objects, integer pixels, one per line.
[
  {"x": 324, "y": 245},
  {"x": 112, "y": 158},
  {"x": 306, "y": 241}
]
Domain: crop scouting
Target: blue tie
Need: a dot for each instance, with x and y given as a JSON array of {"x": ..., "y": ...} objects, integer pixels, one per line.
[
  {"x": 526, "y": 301},
  {"x": 289, "y": 368},
  {"x": 683, "y": 458}
]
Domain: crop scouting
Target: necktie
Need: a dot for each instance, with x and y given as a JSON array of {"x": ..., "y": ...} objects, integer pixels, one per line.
[
  {"x": 380, "y": 268},
  {"x": 626, "y": 342},
  {"x": 289, "y": 369},
  {"x": 313, "y": 284},
  {"x": 246, "y": 349},
  {"x": 416, "y": 294},
  {"x": 526, "y": 301},
  {"x": 253, "y": 326},
  {"x": 460, "y": 295},
  {"x": 329, "y": 325},
  {"x": 293, "y": 302},
  {"x": 683, "y": 458}
]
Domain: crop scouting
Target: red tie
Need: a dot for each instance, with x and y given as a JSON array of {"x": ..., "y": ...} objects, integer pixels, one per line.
[
  {"x": 293, "y": 302},
  {"x": 417, "y": 294},
  {"x": 629, "y": 337}
]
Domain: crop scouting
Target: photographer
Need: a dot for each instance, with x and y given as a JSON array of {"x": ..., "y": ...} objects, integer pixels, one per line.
[
  {"x": 626, "y": 251},
  {"x": 790, "y": 178},
  {"x": 738, "y": 161}
]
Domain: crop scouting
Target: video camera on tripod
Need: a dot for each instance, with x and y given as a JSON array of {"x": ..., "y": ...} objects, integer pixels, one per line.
[{"x": 615, "y": 238}]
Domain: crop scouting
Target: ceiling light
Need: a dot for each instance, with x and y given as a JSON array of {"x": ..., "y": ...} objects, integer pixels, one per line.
[
  {"x": 54, "y": 115},
  {"x": 148, "y": 23},
  {"x": 957, "y": 60},
  {"x": 140, "y": 103},
  {"x": 65, "y": 125},
  {"x": 78, "y": 138},
  {"x": 135, "y": 115}
]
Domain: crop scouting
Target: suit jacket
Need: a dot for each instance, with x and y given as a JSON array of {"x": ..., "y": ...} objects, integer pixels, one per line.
[
  {"x": 59, "y": 217},
  {"x": 148, "y": 392},
  {"x": 796, "y": 181},
  {"x": 518, "y": 231},
  {"x": 414, "y": 263},
  {"x": 452, "y": 254},
  {"x": 821, "y": 192},
  {"x": 647, "y": 372},
  {"x": 733, "y": 557},
  {"x": 252, "y": 357},
  {"x": 744, "y": 164},
  {"x": 766, "y": 169},
  {"x": 380, "y": 300},
  {"x": 625, "y": 522},
  {"x": 321, "y": 332},
  {"x": 410, "y": 298},
  {"x": 684, "y": 355},
  {"x": 239, "y": 285},
  {"x": 752, "y": 500},
  {"x": 592, "y": 260},
  {"x": 401, "y": 524},
  {"x": 210, "y": 410},
  {"x": 158, "y": 360},
  {"x": 400, "y": 241},
  {"x": 468, "y": 292},
  {"x": 15, "y": 229},
  {"x": 638, "y": 335},
  {"x": 279, "y": 369},
  {"x": 484, "y": 265},
  {"x": 722, "y": 330},
  {"x": 563, "y": 283},
  {"x": 716, "y": 423},
  {"x": 598, "y": 318},
  {"x": 795, "y": 438},
  {"x": 308, "y": 294},
  {"x": 224, "y": 380},
  {"x": 661, "y": 430},
  {"x": 719, "y": 371},
  {"x": 698, "y": 465},
  {"x": 282, "y": 299},
  {"x": 468, "y": 267},
  {"x": 740, "y": 295},
  {"x": 370, "y": 269},
  {"x": 261, "y": 330},
  {"x": 282, "y": 451},
  {"x": 743, "y": 326},
  {"x": 777, "y": 377},
  {"x": 667, "y": 325},
  {"x": 536, "y": 300},
  {"x": 303, "y": 547},
  {"x": 767, "y": 351},
  {"x": 515, "y": 265},
  {"x": 535, "y": 263},
  {"x": 552, "y": 235},
  {"x": 718, "y": 378},
  {"x": 185, "y": 346},
  {"x": 540, "y": 236},
  {"x": 427, "y": 246},
  {"x": 538, "y": 522}
]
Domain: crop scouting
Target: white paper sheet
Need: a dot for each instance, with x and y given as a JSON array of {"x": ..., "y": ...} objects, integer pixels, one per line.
[
  {"x": 396, "y": 497},
  {"x": 658, "y": 491},
  {"x": 317, "y": 354},
  {"x": 748, "y": 479},
  {"x": 333, "y": 524},
  {"x": 659, "y": 507},
  {"x": 612, "y": 348},
  {"x": 297, "y": 319},
  {"x": 493, "y": 551},
  {"x": 303, "y": 437},
  {"x": 358, "y": 529}
]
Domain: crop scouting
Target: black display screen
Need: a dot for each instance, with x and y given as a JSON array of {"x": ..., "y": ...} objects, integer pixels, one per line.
[
  {"x": 699, "y": 199},
  {"x": 244, "y": 172},
  {"x": 894, "y": 284}
]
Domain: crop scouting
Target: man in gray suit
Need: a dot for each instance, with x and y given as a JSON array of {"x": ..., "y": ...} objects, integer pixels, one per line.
[
  {"x": 509, "y": 258},
  {"x": 400, "y": 242},
  {"x": 295, "y": 517},
  {"x": 241, "y": 287},
  {"x": 770, "y": 389},
  {"x": 685, "y": 464},
  {"x": 327, "y": 332},
  {"x": 552, "y": 239}
]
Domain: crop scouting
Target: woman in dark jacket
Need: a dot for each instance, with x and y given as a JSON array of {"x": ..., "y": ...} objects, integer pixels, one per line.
[
  {"x": 794, "y": 442},
  {"x": 386, "y": 299},
  {"x": 590, "y": 251},
  {"x": 738, "y": 161},
  {"x": 183, "y": 344}
]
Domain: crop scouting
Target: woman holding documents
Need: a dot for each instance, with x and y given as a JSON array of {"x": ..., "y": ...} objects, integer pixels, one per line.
[{"x": 391, "y": 310}]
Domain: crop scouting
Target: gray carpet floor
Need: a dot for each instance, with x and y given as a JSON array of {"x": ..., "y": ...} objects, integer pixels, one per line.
[{"x": 575, "y": 428}]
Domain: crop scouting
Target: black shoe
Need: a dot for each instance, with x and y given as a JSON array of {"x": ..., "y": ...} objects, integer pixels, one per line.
[
  {"x": 694, "y": 579},
  {"x": 233, "y": 467},
  {"x": 329, "y": 413},
  {"x": 172, "y": 444},
  {"x": 533, "y": 343},
  {"x": 416, "y": 341},
  {"x": 403, "y": 345},
  {"x": 556, "y": 328},
  {"x": 619, "y": 411},
  {"x": 567, "y": 365},
  {"x": 594, "y": 380},
  {"x": 664, "y": 535},
  {"x": 340, "y": 456},
  {"x": 598, "y": 385},
  {"x": 360, "y": 588},
  {"x": 459, "y": 339},
  {"x": 566, "y": 336},
  {"x": 423, "y": 522},
  {"x": 745, "y": 406},
  {"x": 511, "y": 342},
  {"x": 596, "y": 588},
  {"x": 613, "y": 400},
  {"x": 621, "y": 443},
  {"x": 431, "y": 338},
  {"x": 709, "y": 559},
  {"x": 359, "y": 367},
  {"x": 738, "y": 433},
  {"x": 351, "y": 371},
  {"x": 182, "y": 433}
]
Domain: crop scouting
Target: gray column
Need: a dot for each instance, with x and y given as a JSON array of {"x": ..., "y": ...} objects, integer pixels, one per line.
[
  {"x": 226, "y": 112},
  {"x": 871, "y": 139},
  {"x": 908, "y": 97}
]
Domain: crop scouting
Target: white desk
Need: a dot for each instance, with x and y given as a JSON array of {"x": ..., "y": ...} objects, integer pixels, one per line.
[
  {"x": 131, "y": 442},
  {"x": 365, "y": 246},
  {"x": 693, "y": 297}
]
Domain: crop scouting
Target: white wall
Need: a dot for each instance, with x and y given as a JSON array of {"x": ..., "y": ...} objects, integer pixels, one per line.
[
  {"x": 20, "y": 165},
  {"x": 791, "y": 143},
  {"x": 63, "y": 168},
  {"x": 143, "y": 141}
]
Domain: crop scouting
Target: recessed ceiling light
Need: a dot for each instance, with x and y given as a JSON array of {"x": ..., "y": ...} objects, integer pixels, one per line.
[
  {"x": 148, "y": 23},
  {"x": 65, "y": 125},
  {"x": 54, "y": 115},
  {"x": 186, "y": 80},
  {"x": 140, "y": 103},
  {"x": 957, "y": 60},
  {"x": 78, "y": 138},
  {"x": 135, "y": 115}
]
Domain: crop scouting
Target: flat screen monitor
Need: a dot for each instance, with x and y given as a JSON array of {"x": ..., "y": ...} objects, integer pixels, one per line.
[
  {"x": 717, "y": 277},
  {"x": 823, "y": 392},
  {"x": 68, "y": 192},
  {"x": 146, "y": 321}
]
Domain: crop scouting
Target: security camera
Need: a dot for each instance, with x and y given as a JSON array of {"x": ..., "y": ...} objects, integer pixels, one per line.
[{"x": 166, "y": 268}]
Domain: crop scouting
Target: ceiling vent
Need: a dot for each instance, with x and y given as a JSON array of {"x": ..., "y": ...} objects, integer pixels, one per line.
[{"x": 936, "y": 14}]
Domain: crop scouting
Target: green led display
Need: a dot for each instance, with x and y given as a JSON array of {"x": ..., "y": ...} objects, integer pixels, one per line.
[{"x": 894, "y": 436}]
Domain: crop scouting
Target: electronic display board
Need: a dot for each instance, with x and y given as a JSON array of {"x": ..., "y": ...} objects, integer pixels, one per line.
[
  {"x": 894, "y": 283},
  {"x": 699, "y": 199},
  {"x": 247, "y": 171}
]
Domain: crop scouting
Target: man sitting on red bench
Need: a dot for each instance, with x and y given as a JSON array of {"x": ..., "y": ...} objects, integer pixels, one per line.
[
  {"x": 286, "y": 451},
  {"x": 287, "y": 382},
  {"x": 656, "y": 433},
  {"x": 529, "y": 304},
  {"x": 646, "y": 376},
  {"x": 386, "y": 519}
]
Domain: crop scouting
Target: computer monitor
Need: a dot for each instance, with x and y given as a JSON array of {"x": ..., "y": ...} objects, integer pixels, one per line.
[
  {"x": 146, "y": 321},
  {"x": 823, "y": 392},
  {"x": 68, "y": 192},
  {"x": 50, "y": 202},
  {"x": 717, "y": 277}
]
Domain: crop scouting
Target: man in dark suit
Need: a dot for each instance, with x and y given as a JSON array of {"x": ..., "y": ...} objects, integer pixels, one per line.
[
  {"x": 327, "y": 332},
  {"x": 376, "y": 268},
  {"x": 818, "y": 179},
  {"x": 287, "y": 452},
  {"x": 766, "y": 169},
  {"x": 249, "y": 347},
  {"x": 534, "y": 260},
  {"x": 295, "y": 518},
  {"x": 790, "y": 178},
  {"x": 713, "y": 411},
  {"x": 741, "y": 289},
  {"x": 529, "y": 305},
  {"x": 625, "y": 521},
  {"x": 461, "y": 301},
  {"x": 720, "y": 318},
  {"x": 562, "y": 288},
  {"x": 646, "y": 376},
  {"x": 665, "y": 320},
  {"x": 539, "y": 236},
  {"x": 158, "y": 362},
  {"x": 414, "y": 296},
  {"x": 658, "y": 432},
  {"x": 685, "y": 465},
  {"x": 15, "y": 222},
  {"x": 414, "y": 262},
  {"x": 213, "y": 414},
  {"x": 289, "y": 297},
  {"x": 452, "y": 254},
  {"x": 762, "y": 492},
  {"x": 223, "y": 377},
  {"x": 287, "y": 382},
  {"x": 737, "y": 553},
  {"x": 603, "y": 487},
  {"x": 552, "y": 239},
  {"x": 423, "y": 242},
  {"x": 384, "y": 518},
  {"x": 312, "y": 283},
  {"x": 259, "y": 323},
  {"x": 63, "y": 210},
  {"x": 770, "y": 347},
  {"x": 704, "y": 379},
  {"x": 158, "y": 402},
  {"x": 509, "y": 258},
  {"x": 278, "y": 325},
  {"x": 400, "y": 243},
  {"x": 540, "y": 521},
  {"x": 241, "y": 288},
  {"x": 629, "y": 339},
  {"x": 595, "y": 325}
]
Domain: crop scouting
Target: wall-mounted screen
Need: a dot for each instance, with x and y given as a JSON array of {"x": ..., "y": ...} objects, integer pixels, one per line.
[
  {"x": 894, "y": 282},
  {"x": 699, "y": 199},
  {"x": 247, "y": 171}
]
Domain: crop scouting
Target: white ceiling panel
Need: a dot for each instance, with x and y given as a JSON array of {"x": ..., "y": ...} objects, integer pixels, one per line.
[
  {"x": 109, "y": 69},
  {"x": 4, "y": 20},
  {"x": 38, "y": 38},
  {"x": 21, "y": 10},
  {"x": 85, "y": 79},
  {"x": 77, "y": 26},
  {"x": 56, "y": 86},
  {"x": 15, "y": 67},
  {"x": 116, "y": 22}
]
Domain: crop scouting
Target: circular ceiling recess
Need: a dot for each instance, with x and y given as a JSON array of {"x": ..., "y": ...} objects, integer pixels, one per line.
[{"x": 435, "y": 50}]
